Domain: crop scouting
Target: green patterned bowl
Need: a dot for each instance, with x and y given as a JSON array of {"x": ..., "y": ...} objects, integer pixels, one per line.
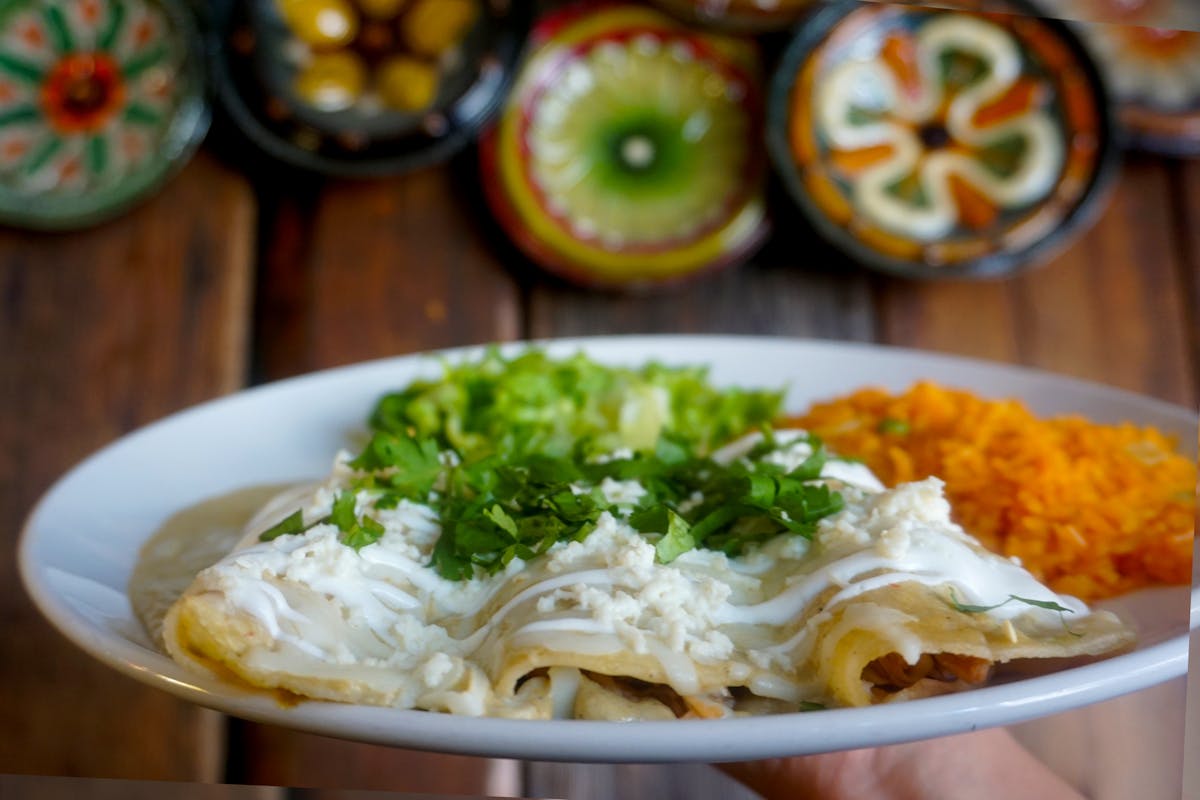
[
  {"x": 629, "y": 153},
  {"x": 100, "y": 102}
]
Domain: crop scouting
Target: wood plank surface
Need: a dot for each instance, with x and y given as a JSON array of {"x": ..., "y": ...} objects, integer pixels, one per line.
[
  {"x": 358, "y": 271},
  {"x": 1186, "y": 205},
  {"x": 100, "y": 332},
  {"x": 40, "y": 787},
  {"x": 795, "y": 286},
  {"x": 369, "y": 269},
  {"x": 364, "y": 794},
  {"x": 1186, "y": 177}
]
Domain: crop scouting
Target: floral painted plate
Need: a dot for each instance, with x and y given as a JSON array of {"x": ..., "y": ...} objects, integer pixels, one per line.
[
  {"x": 99, "y": 103},
  {"x": 932, "y": 143},
  {"x": 629, "y": 153},
  {"x": 364, "y": 87}
]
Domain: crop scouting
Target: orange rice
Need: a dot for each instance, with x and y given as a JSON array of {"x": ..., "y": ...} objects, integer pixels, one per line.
[{"x": 1092, "y": 510}]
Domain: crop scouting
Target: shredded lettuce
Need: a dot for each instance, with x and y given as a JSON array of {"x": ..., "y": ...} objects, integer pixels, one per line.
[{"x": 533, "y": 403}]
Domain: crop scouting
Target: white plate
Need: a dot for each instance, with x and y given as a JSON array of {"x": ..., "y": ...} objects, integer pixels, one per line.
[{"x": 80, "y": 544}]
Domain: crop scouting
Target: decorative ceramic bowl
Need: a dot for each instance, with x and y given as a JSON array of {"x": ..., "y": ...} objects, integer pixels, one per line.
[
  {"x": 100, "y": 101},
  {"x": 1154, "y": 71},
  {"x": 364, "y": 87},
  {"x": 629, "y": 153},
  {"x": 741, "y": 15},
  {"x": 932, "y": 143}
]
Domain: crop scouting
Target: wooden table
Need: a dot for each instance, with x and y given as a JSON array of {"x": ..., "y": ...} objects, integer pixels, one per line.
[{"x": 235, "y": 275}]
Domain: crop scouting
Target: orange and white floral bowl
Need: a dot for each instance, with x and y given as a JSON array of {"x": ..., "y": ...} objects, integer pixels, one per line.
[{"x": 934, "y": 143}]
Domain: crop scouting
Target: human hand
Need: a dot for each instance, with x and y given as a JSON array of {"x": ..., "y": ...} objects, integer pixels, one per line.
[{"x": 981, "y": 765}]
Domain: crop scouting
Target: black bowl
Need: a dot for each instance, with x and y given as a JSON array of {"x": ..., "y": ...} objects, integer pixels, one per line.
[
  {"x": 246, "y": 39},
  {"x": 1017, "y": 238}
]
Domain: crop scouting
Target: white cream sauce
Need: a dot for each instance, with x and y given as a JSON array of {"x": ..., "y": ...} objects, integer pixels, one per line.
[
  {"x": 191, "y": 540},
  {"x": 384, "y": 607}
]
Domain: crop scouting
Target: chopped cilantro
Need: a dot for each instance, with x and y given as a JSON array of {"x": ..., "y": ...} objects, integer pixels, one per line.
[
  {"x": 897, "y": 427},
  {"x": 677, "y": 539},
  {"x": 536, "y": 438},
  {"x": 342, "y": 514},
  {"x": 521, "y": 507},
  {"x": 503, "y": 521},
  {"x": 402, "y": 464},
  {"x": 367, "y": 531},
  {"x": 356, "y": 532},
  {"x": 291, "y": 524},
  {"x": 1049, "y": 605}
]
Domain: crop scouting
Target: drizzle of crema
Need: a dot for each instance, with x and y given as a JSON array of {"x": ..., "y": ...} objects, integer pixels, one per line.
[
  {"x": 381, "y": 616},
  {"x": 189, "y": 541}
]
